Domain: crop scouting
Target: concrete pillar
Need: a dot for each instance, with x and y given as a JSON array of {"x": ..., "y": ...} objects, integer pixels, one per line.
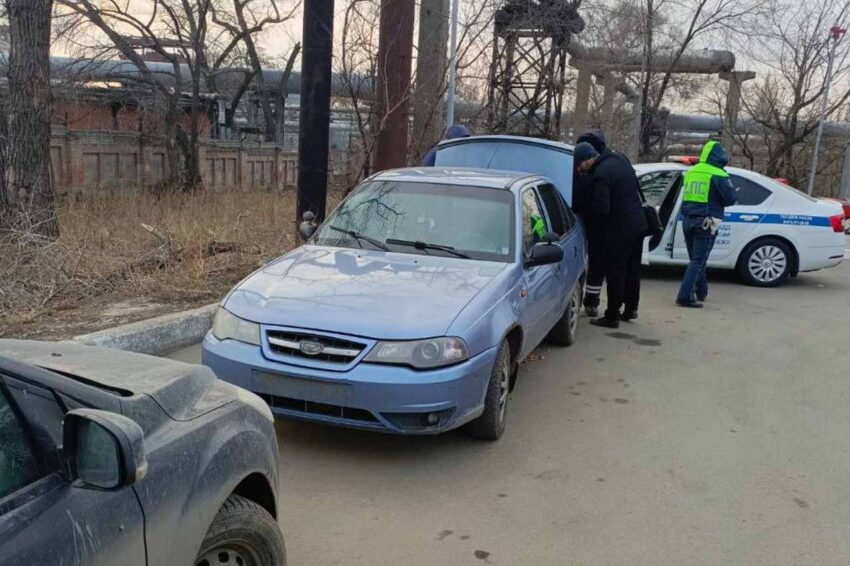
[
  {"x": 580, "y": 117},
  {"x": 733, "y": 105},
  {"x": 431, "y": 66},
  {"x": 634, "y": 129},
  {"x": 610, "y": 84}
]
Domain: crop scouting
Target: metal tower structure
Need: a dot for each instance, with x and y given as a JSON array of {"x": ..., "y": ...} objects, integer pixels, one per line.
[{"x": 527, "y": 72}]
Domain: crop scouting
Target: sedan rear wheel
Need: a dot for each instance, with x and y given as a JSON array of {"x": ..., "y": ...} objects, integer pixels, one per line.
[
  {"x": 564, "y": 331},
  {"x": 491, "y": 424},
  {"x": 765, "y": 263}
]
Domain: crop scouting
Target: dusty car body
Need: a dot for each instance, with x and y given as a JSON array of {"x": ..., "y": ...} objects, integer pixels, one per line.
[{"x": 110, "y": 458}]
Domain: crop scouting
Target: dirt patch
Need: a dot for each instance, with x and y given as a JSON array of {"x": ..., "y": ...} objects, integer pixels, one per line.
[{"x": 127, "y": 258}]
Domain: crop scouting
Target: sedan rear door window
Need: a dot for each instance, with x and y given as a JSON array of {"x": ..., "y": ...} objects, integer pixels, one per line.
[{"x": 749, "y": 192}]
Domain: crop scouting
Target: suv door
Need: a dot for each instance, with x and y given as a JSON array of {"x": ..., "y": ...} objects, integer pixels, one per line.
[
  {"x": 44, "y": 519},
  {"x": 543, "y": 283}
]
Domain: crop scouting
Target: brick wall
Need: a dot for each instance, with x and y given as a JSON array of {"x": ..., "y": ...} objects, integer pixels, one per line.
[{"x": 120, "y": 161}]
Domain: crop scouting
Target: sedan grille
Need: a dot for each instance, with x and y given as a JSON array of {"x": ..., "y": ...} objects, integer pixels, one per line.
[{"x": 309, "y": 346}]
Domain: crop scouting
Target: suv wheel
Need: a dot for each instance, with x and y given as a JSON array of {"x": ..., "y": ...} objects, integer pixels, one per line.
[
  {"x": 564, "y": 331},
  {"x": 242, "y": 534},
  {"x": 491, "y": 424},
  {"x": 765, "y": 263}
]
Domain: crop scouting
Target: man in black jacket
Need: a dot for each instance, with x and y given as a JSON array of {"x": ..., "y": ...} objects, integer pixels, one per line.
[
  {"x": 615, "y": 201},
  {"x": 583, "y": 206}
]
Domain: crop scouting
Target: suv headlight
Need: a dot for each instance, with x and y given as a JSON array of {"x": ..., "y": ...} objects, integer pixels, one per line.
[
  {"x": 421, "y": 354},
  {"x": 228, "y": 326}
]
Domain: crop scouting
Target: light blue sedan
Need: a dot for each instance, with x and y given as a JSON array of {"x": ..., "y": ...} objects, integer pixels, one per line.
[{"x": 409, "y": 310}]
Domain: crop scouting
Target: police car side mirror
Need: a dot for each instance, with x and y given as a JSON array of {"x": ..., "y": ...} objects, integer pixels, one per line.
[{"x": 544, "y": 254}]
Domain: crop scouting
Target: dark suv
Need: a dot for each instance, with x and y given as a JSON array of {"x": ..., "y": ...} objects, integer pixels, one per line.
[{"x": 111, "y": 458}]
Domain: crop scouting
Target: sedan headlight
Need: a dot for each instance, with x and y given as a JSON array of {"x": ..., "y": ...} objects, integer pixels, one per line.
[
  {"x": 421, "y": 354},
  {"x": 228, "y": 326}
]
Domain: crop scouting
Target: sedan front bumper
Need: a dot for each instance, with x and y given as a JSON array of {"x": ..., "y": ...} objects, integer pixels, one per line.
[{"x": 376, "y": 397}]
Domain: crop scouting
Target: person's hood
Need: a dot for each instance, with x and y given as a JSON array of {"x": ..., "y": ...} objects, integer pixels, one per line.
[
  {"x": 594, "y": 137},
  {"x": 457, "y": 131},
  {"x": 714, "y": 154},
  {"x": 373, "y": 294}
]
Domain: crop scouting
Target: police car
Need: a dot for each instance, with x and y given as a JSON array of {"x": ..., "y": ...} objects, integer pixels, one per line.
[{"x": 773, "y": 232}]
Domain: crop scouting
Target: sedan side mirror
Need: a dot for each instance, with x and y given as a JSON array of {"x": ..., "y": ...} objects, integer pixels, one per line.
[
  {"x": 544, "y": 254},
  {"x": 104, "y": 450},
  {"x": 308, "y": 226}
]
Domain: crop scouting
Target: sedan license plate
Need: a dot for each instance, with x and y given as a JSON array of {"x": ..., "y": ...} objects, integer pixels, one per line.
[{"x": 302, "y": 388}]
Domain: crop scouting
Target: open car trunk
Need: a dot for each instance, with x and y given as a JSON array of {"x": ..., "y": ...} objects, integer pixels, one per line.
[{"x": 512, "y": 153}]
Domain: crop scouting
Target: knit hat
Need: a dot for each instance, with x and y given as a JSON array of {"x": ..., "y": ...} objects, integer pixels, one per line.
[
  {"x": 583, "y": 151},
  {"x": 594, "y": 137}
]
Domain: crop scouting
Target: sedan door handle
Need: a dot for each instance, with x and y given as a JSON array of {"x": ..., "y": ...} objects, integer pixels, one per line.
[{"x": 749, "y": 217}]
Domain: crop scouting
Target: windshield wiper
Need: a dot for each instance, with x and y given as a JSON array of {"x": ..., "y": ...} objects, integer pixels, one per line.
[
  {"x": 358, "y": 236},
  {"x": 426, "y": 246}
]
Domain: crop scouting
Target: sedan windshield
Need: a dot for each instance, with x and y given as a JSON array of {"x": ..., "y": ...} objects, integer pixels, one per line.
[{"x": 425, "y": 219}]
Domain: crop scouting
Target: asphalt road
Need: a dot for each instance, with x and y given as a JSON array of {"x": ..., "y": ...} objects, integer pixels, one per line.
[{"x": 688, "y": 437}]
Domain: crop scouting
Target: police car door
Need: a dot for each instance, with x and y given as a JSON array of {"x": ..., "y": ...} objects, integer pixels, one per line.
[
  {"x": 740, "y": 220},
  {"x": 661, "y": 190}
]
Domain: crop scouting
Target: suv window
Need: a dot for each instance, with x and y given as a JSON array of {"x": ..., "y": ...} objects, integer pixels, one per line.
[
  {"x": 555, "y": 207},
  {"x": 534, "y": 224},
  {"x": 18, "y": 464},
  {"x": 749, "y": 192},
  {"x": 656, "y": 184}
]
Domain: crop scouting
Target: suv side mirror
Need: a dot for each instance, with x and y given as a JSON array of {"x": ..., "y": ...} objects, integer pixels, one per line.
[
  {"x": 308, "y": 226},
  {"x": 544, "y": 254},
  {"x": 104, "y": 450}
]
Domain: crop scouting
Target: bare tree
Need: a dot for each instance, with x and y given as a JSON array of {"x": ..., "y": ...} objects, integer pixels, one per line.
[
  {"x": 785, "y": 100},
  {"x": 26, "y": 196},
  {"x": 674, "y": 26},
  {"x": 243, "y": 21}
]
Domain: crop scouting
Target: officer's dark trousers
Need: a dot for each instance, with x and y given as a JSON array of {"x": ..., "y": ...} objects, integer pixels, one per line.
[
  {"x": 622, "y": 276},
  {"x": 595, "y": 272}
]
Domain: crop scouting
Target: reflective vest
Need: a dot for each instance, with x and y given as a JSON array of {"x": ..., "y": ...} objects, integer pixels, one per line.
[
  {"x": 697, "y": 181},
  {"x": 538, "y": 227}
]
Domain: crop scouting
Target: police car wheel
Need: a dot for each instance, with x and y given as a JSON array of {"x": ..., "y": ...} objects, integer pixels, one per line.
[
  {"x": 765, "y": 263},
  {"x": 564, "y": 331}
]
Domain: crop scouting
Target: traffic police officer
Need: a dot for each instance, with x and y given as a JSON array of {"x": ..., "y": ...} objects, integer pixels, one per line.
[{"x": 707, "y": 192}]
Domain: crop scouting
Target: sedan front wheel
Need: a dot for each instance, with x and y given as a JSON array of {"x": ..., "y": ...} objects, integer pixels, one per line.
[{"x": 491, "y": 424}]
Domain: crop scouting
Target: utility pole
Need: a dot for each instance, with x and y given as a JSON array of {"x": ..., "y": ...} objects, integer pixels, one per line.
[
  {"x": 835, "y": 34},
  {"x": 450, "y": 102},
  {"x": 391, "y": 97},
  {"x": 315, "y": 119}
]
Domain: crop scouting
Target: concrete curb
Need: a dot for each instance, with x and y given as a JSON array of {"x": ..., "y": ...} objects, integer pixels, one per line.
[{"x": 157, "y": 336}]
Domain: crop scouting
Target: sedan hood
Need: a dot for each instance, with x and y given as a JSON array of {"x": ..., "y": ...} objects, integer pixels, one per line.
[{"x": 362, "y": 293}]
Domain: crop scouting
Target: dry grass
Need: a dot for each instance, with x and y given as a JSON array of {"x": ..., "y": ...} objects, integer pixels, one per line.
[{"x": 105, "y": 255}]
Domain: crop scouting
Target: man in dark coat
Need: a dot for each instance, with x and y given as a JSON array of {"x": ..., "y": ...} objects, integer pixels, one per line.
[
  {"x": 451, "y": 133},
  {"x": 583, "y": 206},
  {"x": 615, "y": 200}
]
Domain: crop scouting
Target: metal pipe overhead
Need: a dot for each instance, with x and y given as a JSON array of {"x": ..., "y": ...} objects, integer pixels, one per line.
[
  {"x": 701, "y": 123},
  {"x": 85, "y": 70},
  {"x": 706, "y": 61}
]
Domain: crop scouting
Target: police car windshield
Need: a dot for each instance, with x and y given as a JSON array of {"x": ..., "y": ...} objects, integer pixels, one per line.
[{"x": 472, "y": 221}]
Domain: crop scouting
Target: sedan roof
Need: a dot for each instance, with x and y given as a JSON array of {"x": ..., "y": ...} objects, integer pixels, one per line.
[{"x": 469, "y": 176}]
